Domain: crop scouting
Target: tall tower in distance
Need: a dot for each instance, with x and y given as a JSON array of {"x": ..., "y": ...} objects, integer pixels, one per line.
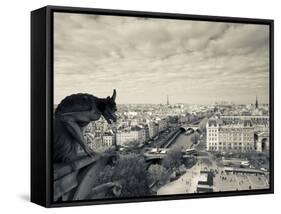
[
  {"x": 257, "y": 103},
  {"x": 168, "y": 103}
]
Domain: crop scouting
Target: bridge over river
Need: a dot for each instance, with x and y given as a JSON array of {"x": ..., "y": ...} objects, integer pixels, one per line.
[{"x": 190, "y": 127}]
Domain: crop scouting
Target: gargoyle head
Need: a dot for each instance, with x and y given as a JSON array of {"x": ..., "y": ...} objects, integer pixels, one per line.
[{"x": 109, "y": 109}]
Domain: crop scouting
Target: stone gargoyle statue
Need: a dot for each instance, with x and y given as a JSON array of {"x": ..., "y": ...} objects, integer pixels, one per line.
[{"x": 71, "y": 116}]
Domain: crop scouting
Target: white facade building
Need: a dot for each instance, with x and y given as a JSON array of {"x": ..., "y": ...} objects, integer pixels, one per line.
[
  {"x": 125, "y": 137},
  {"x": 108, "y": 139},
  {"x": 230, "y": 136}
]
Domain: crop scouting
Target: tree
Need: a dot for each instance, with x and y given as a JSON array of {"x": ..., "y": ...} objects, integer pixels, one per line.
[
  {"x": 202, "y": 125},
  {"x": 130, "y": 171},
  {"x": 156, "y": 173},
  {"x": 195, "y": 138},
  {"x": 173, "y": 159},
  {"x": 173, "y": 119}
]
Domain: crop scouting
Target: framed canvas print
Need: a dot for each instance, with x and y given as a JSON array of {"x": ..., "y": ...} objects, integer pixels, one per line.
[{"x": 134, "y": 106}]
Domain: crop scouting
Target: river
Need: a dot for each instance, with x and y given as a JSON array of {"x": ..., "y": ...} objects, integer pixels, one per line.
[{"x": 182, "y": 141}]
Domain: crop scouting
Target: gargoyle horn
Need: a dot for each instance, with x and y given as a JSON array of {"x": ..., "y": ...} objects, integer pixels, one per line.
[{"x": 113, "y": 95}]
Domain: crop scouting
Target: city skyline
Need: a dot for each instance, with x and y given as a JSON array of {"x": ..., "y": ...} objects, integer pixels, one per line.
[
  {"x": 176, "y": 103},
  {"x": 145, "y": 60}
]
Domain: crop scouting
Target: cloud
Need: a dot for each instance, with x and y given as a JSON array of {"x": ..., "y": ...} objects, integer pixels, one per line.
[{"x": 146, "y": 59}]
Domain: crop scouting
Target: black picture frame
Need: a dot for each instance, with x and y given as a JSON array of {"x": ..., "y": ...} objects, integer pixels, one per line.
[{"x": 42, "y": 102}]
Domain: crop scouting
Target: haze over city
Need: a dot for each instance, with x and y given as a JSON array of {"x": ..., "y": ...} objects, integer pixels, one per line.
[{"x": 145, "y": 60}]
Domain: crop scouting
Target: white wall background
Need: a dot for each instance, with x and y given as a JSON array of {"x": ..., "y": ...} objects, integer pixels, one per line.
[{"x": 15, "y": 107}]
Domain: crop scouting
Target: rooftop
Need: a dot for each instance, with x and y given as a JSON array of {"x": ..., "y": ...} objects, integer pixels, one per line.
[
  {"x": 203, "y": 177},
  {"x": 222, "y": 122}
]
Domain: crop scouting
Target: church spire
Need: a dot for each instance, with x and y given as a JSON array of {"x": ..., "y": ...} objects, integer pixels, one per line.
[
  {"x": 168, "y": 103},
  {"x": 257, "y": 104}
]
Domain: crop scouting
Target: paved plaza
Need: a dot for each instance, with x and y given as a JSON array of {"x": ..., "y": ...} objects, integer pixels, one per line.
[{"x": 187, "y": 183}]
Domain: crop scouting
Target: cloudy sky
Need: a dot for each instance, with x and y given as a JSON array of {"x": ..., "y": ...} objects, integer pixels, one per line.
[{"x": 147, "y": 59}]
